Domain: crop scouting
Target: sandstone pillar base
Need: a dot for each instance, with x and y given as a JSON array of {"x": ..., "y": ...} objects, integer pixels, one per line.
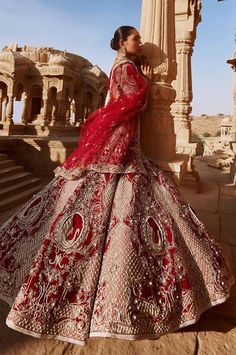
[
  {"x": 187, "y": 148},
  {"x": 176, "y": 168},
  {"x": 192, "y": 177}
]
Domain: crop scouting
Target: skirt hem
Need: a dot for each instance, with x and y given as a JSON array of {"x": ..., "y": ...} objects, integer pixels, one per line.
[{"x": 131, "y": 337}]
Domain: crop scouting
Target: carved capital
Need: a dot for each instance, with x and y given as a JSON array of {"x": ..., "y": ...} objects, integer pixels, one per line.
[
  {"x": 181, "y": 111},
  {"x": 166, "y": 71}
]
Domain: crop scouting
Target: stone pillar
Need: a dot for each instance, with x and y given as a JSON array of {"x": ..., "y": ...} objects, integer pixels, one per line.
[
  {"x": 54, "y": 114},
  {"x": 10, "y": 109},
  {"x": 8, "y": 125},
  {"x": 158, "y": 138},
  {"x": 183, "y": 86},
  {"x": 233, "y": 131},
  {"x": 4, "y": 109},
  {"x": 45, "y": 110},
  {"x": 187, "y": 17},
  {"x": 78, "y": 113},
  {"x": 24, "y": 112},
  {"x": 72, "y": 112},
  {"x": 59, "y": 111},
  {"x": 232, "y": 62},
  {"x": 233, "y": 66},
  {"x": 1, "y": 99},
  {"x": 68, "y": 113},
  {"x": 42, "y": 119}
]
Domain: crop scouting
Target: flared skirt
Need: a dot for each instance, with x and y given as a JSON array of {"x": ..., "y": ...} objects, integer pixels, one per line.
[{"x": 109, "y": 255}]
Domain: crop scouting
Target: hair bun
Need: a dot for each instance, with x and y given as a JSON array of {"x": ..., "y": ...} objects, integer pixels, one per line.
[{"x": 113, "y": 44}]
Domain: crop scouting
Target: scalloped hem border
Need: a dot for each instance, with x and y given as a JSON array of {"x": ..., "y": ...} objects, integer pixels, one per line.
[
  {"x": 11, "y": 325},
  {"x": 131, "y": 337},
  {"x": 155, "y": 335}
]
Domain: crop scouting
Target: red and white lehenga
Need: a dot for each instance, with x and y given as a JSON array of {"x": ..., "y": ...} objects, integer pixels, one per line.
[{"x": 109, "y": 248}]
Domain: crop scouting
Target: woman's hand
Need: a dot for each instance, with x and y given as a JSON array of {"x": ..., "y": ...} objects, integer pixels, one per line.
[{"x": 146, "y": 70}]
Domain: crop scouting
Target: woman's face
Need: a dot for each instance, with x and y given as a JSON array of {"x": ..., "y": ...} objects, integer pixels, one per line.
[{"x": 133, "y": 43}]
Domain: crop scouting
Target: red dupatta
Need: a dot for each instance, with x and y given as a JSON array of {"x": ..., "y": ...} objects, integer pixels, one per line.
[{"x": 118, "y": 118}]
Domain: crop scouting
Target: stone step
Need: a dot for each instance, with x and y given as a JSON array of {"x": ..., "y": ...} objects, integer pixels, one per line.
[
  {"x": 11, "y": 170},
  {"x": 3, "y": 156},
  {"x": 20, "y": 187},
  {"x": 14, "y": 179},
  {"x": 6, "y": 162},
  {"x": 18, "y": 198}
]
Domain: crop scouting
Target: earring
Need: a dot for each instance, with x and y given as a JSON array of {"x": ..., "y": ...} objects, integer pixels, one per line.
[{"x": 124, "y": 50}]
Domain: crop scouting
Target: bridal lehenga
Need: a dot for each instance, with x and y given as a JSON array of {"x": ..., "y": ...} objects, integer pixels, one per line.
[{"x": 109, "y": 248}]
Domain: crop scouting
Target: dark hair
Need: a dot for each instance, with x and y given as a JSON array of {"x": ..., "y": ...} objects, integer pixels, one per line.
[{"x": 121, "y": 33}]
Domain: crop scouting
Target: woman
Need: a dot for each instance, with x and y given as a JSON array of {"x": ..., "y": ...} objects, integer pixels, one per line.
[{"x": 110, "y": 248}]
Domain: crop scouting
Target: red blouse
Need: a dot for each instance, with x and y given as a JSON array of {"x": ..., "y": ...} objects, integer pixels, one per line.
[{"x": 110, "y": 137}]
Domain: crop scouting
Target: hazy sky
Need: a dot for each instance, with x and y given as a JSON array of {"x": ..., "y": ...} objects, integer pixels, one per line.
[{"x": 86, "y": 27}]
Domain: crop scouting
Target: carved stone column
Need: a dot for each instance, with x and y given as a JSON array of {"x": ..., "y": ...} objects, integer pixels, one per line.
[
  {"x": 158, "y": 138},
  {"x": 4, "y": 109},
  {"x": 53, "y": 115},
  {"x": 78, "y": 113},
  {"x": 45, "y": 118},
  {"x": 59, "y": 111},
  {"x": 187, "y": 17},
  {"x": 232, "y": 62},
  {"x": 45, "y": 100},
  {"x": 1, "y": 99},
  {"x": 183, "y": 86},
  {"x": 10, "y": 109},
  {"x": 25, "y": 104},
  {"x": 42, "y": 119},
  {"x": 68, "y": 113},
  {"x": 8, "y": 106},
  {"x": 72, "y": 112},
  {"x": 233, "y": 66}
]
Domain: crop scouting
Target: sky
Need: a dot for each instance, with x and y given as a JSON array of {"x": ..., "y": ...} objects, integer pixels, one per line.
[{"x": 86, "y": 28}]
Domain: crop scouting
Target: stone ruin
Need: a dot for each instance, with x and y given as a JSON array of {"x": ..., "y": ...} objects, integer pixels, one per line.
[
  {"x": 217, "y": 150},
  {"x": 58, "y": 89}
]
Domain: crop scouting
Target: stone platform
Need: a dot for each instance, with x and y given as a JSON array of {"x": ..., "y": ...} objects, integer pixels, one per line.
[
  {"x": 213, "y": 334},
  {"x": 40, "y": 155}
]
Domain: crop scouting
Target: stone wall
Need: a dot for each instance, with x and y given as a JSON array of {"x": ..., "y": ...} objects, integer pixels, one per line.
[{"x": 39, "y": 155}]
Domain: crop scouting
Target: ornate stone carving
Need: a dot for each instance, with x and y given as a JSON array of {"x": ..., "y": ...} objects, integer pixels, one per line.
[
  {"x": 187, "y": 17},
  {"x": 38, "y": 70},
  {"x": 158, "y": 34},
  {"x": 232, "y": 62}
]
